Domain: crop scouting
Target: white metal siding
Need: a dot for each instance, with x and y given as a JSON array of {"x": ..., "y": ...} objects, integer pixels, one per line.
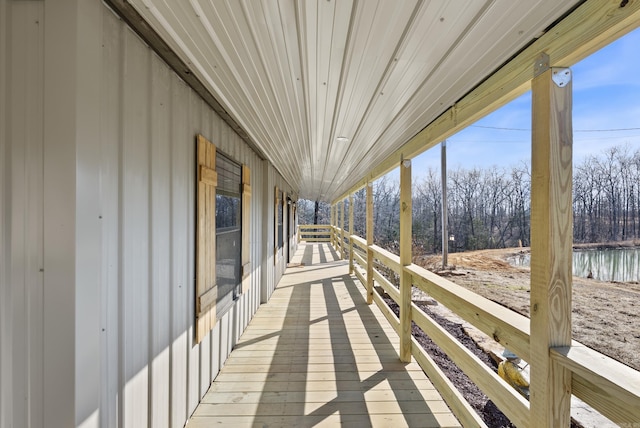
[
  {"x": 135, "y": 360},
  {"x": 21, "y": 214},
  {"x": 6, "y": 380}
]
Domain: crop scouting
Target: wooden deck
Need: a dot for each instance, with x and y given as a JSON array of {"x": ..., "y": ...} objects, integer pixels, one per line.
[{"x": 317, "y": 355}]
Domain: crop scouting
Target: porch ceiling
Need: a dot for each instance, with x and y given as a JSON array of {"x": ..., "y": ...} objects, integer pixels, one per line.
[{"x": 297, "y": 75}]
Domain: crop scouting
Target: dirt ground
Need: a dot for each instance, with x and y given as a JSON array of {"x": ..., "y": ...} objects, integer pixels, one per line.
[{"x": 605, "y": 314}]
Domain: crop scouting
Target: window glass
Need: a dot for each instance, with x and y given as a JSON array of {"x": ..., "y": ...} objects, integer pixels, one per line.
[
  {"x": 228, "y": 232},
  {"x": 280, "y": 220}
]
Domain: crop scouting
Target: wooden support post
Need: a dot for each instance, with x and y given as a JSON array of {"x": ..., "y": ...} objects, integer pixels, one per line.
[
  {"x": 405, "y": 260},
  {"x": 445, "y": 228},
  {"x": 369, "y": 243},
  {"x": 350, "y": 233},
  {"x": 342, "y": 229},
  {"x": 551, "y": 244},
  {"x": 336, "y": 218},
  {"x": 332, "y": 223}
]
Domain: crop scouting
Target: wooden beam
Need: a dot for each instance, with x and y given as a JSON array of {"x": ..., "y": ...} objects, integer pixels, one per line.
[
  {"x": 551, "y": 245},
  {"x": 342, "y": 229},
  {"x": 390, "y": 260},
  {"x": 405, "y": 260},
  {"x": 387, "y": 286},
  {"x": 363, "y": 264},
  {"x": 332, "y": 221},
  {"x": 350, "y": 233},
  {"x": 467, "y": 416},
  {"x": 445, "y": 228},
  {"x": 507, "y": 327},
  {"x": 607, "y": 385},
  {"x": 362, "y": 243},
  {"x": 508, "y": 400},
  {"x": 590, "y": 27},
  {"x": 369, "y": 243}
]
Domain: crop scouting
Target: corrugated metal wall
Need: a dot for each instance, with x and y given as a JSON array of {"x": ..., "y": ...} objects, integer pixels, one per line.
[
  {"x": 21, "y": 232},
  {"x": 136, "y": 363}
]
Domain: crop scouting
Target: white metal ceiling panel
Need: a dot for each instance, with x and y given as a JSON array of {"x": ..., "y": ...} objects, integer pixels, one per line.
[{"x": 298, "y": 74}]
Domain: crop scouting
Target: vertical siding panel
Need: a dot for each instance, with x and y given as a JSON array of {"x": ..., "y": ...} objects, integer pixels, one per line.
[
  {"x": 135, "y": 234},
  {"x": 18, "y": 225},
  {"x": 6, "y": 380},
  {"x": 151, "y": 372},
  {"x": 214, "y": 365},
  {"x": 88, "y": 253},
  {"x": 18, "y": 114},
  {"x": 61, "y": 93},
  {"x": 256, "y": 224},
  {"x": 35, "y": 234},
  {"x": 250, "y": 297},
  {"x": 265, "y": 238},
  {"x": 223, "y": 135},
  {"x": 26, "y": 232},
  {"x": 160, "y": 242},
  {"x": 194, "y": 349},
  {"x": 255, "y": 241},
  {"x": 260, "y": 242},
  {"x": 224, "y": 337},
  {"x": 110, "y": 133},
  {"x": 218, "y": 126},
  {"x": 181, "y": 156}
]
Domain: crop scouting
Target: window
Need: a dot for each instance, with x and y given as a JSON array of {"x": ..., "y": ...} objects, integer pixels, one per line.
[
  {"x": 228, "y": 232},
  {"x": 222, "y": 234},
  {"x": 280, "y": 219}
]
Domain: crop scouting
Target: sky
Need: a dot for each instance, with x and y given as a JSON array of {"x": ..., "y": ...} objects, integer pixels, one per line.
[{"x": 606, "y": 96}]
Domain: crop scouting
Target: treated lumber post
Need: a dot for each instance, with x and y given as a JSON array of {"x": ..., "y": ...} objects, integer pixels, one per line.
[
  {"x": 350, "y": 233},
  {"x": 369, "y": 243},
  {"x": 551, "y": 243},
  {"x": 332, "y": 223},
  {"x": 342, "y": 229},
  {"x": 405, "y": 260},
  {"x": 445, "y": 228},
  {"x": 337, "y": 225}
]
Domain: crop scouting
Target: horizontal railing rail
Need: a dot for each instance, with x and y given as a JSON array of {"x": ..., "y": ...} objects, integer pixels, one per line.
[
  {"x": 314, "y": 232},
  {"x": 608, "y": 386}
]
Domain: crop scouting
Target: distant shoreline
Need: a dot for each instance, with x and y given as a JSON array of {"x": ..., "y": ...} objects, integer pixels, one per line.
[{"x": 608, "y": 245}]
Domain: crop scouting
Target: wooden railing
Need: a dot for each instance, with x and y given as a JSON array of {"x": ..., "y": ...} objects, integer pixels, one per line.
[
  {"x": 607, "y": 385},
  {"x": 315, "y": 233}
]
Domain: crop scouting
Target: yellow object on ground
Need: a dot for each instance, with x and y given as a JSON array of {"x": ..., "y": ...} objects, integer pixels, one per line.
[{"x": 510, "y": 372}]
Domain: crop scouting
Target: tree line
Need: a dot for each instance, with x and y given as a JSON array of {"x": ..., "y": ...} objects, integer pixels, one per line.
[{"x": 490, "y": 208}]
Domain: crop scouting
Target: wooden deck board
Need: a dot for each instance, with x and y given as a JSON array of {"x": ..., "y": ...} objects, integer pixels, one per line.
[{"x": 317, "y": 355}]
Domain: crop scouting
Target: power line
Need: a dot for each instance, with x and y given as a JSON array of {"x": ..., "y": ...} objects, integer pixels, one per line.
[{"x": 575, "y": 130}]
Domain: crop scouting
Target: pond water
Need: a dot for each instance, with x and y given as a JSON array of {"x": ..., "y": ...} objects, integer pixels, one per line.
[{"x": 617, "y": 264}]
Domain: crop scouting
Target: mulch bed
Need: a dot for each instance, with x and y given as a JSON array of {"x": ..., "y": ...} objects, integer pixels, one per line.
[{"x": 488, "y": 411}]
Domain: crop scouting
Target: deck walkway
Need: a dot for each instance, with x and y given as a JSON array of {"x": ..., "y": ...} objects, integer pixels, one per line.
[{"x": 317, "y": 355}]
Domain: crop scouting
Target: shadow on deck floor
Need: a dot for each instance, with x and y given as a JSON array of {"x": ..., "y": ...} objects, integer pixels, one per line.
[{"x": 317, "y": 355}]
